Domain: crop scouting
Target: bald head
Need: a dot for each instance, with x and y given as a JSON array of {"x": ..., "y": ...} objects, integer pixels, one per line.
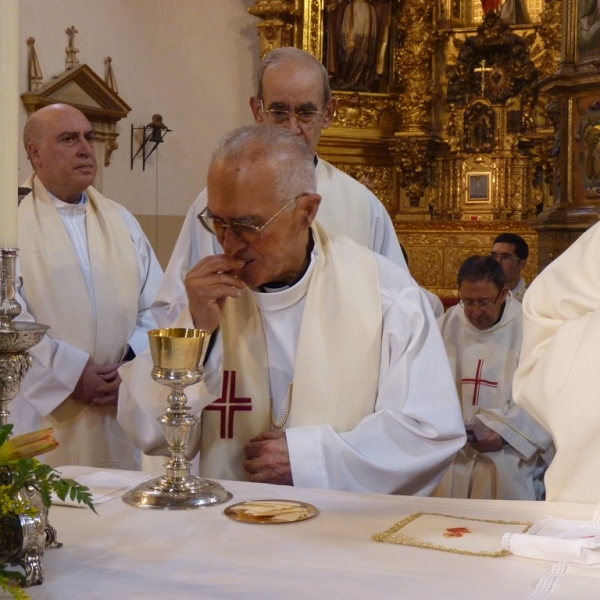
[{"x": 59, "y": 142}]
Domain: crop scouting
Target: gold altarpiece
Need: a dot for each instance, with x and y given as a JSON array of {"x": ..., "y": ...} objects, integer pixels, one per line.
[{"x": 440, "y": 114}]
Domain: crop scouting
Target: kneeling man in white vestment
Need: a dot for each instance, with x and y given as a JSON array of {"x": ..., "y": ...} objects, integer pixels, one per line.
[
  {"x": 509, "y": 451},
  {"x": 558, "y": 379},
  {"x": 90, "y": 273},
  {"x": 320, "y": 371}
]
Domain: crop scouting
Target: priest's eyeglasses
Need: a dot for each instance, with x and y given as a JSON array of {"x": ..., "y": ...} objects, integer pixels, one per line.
[
  {"x": 501, "y": 257},
  {"x": 245, "y": 231},
  {"x": 482, "y": 304},
  {"x": 278, "y": 116}
]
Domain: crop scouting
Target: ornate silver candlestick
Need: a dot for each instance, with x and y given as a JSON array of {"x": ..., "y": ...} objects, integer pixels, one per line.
[
  {"x": 177, "y": 355},
  {"x": 15, "y": 338}
]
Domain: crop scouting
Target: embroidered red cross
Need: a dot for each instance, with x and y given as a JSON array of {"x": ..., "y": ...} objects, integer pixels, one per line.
[
  {"x": 228, "y": 404},
  {"x": 477, "y": 382}
]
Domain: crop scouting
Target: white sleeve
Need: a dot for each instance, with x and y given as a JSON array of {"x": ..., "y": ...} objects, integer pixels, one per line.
[
  {"x": 193, "y": 244},
  {"x": 56, "y": 369},
  {"x": 405, "y": 446},
  {"x": 383, "y": 238}
]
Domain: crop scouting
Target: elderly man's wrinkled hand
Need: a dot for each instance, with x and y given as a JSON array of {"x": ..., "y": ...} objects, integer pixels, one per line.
[
  {"x": 208, "y": 284},
  {"x": 98, "y": 385},
  {"x": 268, "y": 460}
]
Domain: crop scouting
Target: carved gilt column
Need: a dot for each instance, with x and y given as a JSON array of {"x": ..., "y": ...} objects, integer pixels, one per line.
[
  {"x": 575, "y": 89},
  {"x": 413, "y": 145}
]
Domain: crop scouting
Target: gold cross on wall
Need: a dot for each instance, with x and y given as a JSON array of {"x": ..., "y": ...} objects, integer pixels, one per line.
[{"x": 483, "y": 70}]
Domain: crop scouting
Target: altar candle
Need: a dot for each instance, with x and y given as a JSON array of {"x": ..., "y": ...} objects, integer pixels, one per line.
[{"x": 9, "y": 122}]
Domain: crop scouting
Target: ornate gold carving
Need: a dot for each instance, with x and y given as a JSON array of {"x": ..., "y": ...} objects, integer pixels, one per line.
[
  {"x": 550, "y": 34},
  {"x": 277, "y": 29},
  {"x": 361, "y": 111},
  {"x": 415, "y": 46},
  {"x": 413, "y": 156},
  {"x": 380, "y": 180}
]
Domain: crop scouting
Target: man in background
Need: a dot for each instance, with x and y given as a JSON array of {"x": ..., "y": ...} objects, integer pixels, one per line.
[
  {"x": 89, "y": 272},
  {"x": 512, "y": 251},
  {"x": 508, "y": 452},
  {"x": 292, "y": 91}
]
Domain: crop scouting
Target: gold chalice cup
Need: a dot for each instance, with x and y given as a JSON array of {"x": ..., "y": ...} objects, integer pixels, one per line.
[{"x": 177, "y": 355}]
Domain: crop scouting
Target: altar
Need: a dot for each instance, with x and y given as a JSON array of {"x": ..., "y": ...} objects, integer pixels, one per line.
[{"x": 124, "y": 552}]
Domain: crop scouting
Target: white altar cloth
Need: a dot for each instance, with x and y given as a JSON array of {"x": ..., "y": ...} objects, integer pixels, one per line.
[{"x": 142, "y": 554}]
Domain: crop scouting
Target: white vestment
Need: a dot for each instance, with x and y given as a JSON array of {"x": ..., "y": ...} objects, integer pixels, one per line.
[
  {"x": 88, "y": 435},
  {"x": 483, "y": 363},
  {"x": 399, "y": 443},
  {"x": 558, "y": 379},
  {"x": 519, "y": 291},
  {"x": 347, "y": 208}
]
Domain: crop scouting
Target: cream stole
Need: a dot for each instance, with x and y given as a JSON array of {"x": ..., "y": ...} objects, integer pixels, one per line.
[
  {"x": 54, "y": 285},
  {"x": 337, "y": 363},
  {"x": 56, "y": 295}
]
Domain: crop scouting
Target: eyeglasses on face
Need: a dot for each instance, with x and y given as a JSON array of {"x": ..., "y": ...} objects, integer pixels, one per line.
[
  {"x": 502, "y": 257},
  {"x": 277, "y": 116},
  {"x": 482, "y": 304},
  {"x": 247, "y": 232}
]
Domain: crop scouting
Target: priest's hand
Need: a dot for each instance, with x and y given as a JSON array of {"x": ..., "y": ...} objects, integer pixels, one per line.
[
  {"x": 208, "y": 284},
  {"x": 98, "y": 385},
  {"x": 493, "y": 443},
  {"x": 267, "y": 459}
]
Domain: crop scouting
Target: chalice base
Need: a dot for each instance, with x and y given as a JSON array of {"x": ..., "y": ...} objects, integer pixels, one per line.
[{"x": 168, "y": 494}]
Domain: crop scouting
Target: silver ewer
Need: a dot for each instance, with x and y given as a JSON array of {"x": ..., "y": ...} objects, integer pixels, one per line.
[{"x": 177, "y": 355}]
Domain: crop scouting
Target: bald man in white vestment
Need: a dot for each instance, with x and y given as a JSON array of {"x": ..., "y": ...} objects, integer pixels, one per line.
[
  {"x": 558, "y": 379},
  {"x": 320, "y": 370},
  {"x": 482, "y": 335},
  {"x": 292, "y": 91},
  {"x": 89, "y": 272}
]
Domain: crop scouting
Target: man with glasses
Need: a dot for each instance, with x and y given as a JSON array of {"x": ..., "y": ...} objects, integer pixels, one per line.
[
  {"x": 90, "y": 273},
  {"x": 292, "y": 91},
  {"x": 320, "y": 370},
  {"x": 511, "y": 251},
  {"x": 507, "y": 451}
]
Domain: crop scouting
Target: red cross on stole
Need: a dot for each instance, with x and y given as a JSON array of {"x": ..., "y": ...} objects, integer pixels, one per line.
[
  {"x": 478, "y": 382},
  {"x": 228, "y": 404}
]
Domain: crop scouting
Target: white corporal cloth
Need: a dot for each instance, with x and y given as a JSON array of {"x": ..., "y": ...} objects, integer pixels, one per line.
[
  {"x": 399, "y": 441},
  {"x": 56, "y": 289},
  {"x": 483, "y": 363},
  {"x": 347, "y": 207},
  {"x": 558, "y": 379}
]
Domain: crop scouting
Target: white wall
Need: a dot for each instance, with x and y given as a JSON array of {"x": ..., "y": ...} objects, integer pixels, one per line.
[{"x": 192, "y": 61}]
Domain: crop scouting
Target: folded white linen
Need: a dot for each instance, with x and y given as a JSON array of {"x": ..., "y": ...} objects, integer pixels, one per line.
[
  {"x": 562, "y": 540},
  {"x": 104, "y": 484}
]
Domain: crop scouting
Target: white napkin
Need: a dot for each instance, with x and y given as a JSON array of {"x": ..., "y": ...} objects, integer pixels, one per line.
[
  {"x": 558, "y": 540},
  {"x": 104, "y": 484}
]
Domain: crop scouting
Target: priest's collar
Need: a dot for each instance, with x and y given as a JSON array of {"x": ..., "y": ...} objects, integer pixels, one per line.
[{"x": 70, "y": 209}]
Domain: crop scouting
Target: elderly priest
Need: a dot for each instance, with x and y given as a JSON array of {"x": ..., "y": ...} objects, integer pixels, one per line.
[{"x": 327, "y": 368}]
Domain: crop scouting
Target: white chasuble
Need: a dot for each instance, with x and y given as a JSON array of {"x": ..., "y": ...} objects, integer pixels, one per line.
[
  {"x": 57, "y": 295},
  {"x": 483, "y": 363},
  {"x": 336, "y": 367}
]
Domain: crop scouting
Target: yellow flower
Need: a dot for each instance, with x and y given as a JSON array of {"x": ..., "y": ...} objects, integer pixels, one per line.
[{"x": 27, "y": 445}]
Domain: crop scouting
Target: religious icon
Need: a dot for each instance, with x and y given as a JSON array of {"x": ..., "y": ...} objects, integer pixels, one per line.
[
  {"x": 357, "y": 42},
  {"x": 478, "y": 186}
]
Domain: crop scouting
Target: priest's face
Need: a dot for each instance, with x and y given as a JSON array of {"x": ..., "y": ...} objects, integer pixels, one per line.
[
  {"x": 62, "y": 151},
  {"x": 482, "y": 302},
  {"x": 511, "y": 264},
  {"x": 294, "y": 88},
  {"x": 244, "y": 193}
]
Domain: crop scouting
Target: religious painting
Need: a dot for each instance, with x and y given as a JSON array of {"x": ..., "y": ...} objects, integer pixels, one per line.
[
  {"x": 588, "y": 30},
  {"x": 356, "y": 44},
  {"x": 589, "y": 147},
  {"x": 478, "y": 187}
]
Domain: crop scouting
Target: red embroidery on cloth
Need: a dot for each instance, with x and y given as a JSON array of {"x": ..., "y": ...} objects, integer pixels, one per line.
[
  {"x": 228, "y": 404},
  {"x": 456, "y": 532},
  {"x": 477, "y": 382}
]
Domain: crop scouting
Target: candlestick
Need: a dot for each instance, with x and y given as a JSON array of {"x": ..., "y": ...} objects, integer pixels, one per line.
[{"x": 9, "y": 121}]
